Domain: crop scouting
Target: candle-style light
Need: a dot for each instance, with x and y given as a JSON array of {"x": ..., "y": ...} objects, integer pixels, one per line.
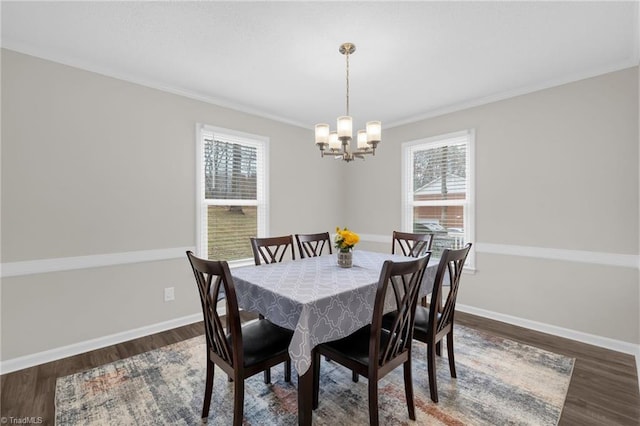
[
  {"x": 334, "y": 142},
  {"x": 322, "y": 133},
  {"x": 338, "y": 143}
]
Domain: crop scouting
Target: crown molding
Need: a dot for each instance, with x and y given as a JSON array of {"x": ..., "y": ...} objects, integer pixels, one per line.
[
  {"x": 524, "y": 90},
  {"x": 152, "y": 84}
]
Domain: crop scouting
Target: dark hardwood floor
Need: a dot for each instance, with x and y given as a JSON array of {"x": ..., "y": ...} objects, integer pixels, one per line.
[{"x": 603, "y": 390}]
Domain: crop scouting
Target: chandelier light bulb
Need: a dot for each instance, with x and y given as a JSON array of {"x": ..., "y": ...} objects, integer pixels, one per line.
[
  {"x": 345, "y": 127},
  {"x": 362, "y": 139},
  {"x": 334, "y": 142},
  {"x": 322, "y": 133},
  {"x": 374, "y": 131}
]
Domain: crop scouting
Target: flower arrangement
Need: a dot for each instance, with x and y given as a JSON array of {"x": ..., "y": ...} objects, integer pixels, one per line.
[{"x": 345, "y": 239}]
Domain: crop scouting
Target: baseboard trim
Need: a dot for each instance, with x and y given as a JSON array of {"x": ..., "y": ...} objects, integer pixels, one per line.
[
  {"x": 592, "y": 339},
  {"x": 40, "y": 266},
  {"x": 32, "y": 360},
  {"x": 27, "y": 361}
]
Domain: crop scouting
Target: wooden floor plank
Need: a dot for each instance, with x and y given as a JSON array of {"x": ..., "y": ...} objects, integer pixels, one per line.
[{"x": 603, "y": 389}]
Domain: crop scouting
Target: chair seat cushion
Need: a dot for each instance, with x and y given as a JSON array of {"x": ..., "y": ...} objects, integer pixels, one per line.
[
  {"x": 262, "y": 339},
  {"x": 421, "y": 324},
  {"x": 356, "y": 345}
]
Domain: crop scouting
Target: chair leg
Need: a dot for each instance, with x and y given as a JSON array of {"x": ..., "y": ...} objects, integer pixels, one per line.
[
  {"x": 431, "y": 367},
  {"x": 267, "y": 376},
  {"x": 238, "y": 401},
  {"x": 439, "y": 348},
  {"x": 373, "y": 401},
  {"x": 408, "y": 390},
  {"x": 452, "y": 361},
  {"x": 208, "y": 388},
  {"x": 355, "y": 376},
  {"x": 316, "y": 379},
  {"x": 287, "y": 371}
]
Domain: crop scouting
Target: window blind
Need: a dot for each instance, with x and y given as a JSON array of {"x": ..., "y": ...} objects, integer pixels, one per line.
[
  {"x": 438, "y": 190},
  {"x": 233, "y": 201}
]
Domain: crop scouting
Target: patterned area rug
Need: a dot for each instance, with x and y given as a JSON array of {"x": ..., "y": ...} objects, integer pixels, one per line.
[{"x": 499, "y": 382}]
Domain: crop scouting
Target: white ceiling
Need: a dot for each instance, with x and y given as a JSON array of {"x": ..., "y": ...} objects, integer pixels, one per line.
[{"x": 281, "y": 60}]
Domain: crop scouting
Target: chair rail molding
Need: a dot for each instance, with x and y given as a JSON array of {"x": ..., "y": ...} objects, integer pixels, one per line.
[
  {"x": 581, "y": 256},
  {"x": 40, "y": 266}
]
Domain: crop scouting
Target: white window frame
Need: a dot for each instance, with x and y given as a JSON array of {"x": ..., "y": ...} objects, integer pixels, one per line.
[
  {"x": 408, "y": 203},
  {"x": 262, "y": 198}
]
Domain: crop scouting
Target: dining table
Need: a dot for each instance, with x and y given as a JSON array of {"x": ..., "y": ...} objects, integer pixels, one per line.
[{"x": 317, "y": 299}]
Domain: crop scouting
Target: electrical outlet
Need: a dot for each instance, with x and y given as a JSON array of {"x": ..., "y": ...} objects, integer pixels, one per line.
[{"x": 169, "y": 294}]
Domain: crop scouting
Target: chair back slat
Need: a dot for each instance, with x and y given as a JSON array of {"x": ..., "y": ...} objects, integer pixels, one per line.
[
  {"x": 219, "y": 341},
  {"x": 312, "y": 245},
  {"x": 405, "y": 279},
  {"x": 214, "y": 284},
  {"x": 451, "y": 264},
  {"x": 411, "y": 244},
  {"x": 272, "y": 249}
]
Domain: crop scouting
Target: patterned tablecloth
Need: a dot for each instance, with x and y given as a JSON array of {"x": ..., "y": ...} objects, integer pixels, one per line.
[{"x": 315, "y": 297}]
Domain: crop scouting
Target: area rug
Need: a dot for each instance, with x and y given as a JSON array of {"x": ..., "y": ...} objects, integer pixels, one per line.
[{"x": 500, "y": 382}]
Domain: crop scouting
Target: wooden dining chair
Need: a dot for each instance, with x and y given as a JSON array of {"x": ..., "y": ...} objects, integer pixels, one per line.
[
  {"x": 433, "y": 324},
  {"x": 411, "y": 244},
  {"x": 312, "y": 245},
  {"x": 272, "y": 249},
  {"x": 241, "y": 350},
  {"x": 372, "y": 351}
]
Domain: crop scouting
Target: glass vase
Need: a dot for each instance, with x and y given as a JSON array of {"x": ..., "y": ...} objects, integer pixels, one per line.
[{"x": 345, "y": 259}]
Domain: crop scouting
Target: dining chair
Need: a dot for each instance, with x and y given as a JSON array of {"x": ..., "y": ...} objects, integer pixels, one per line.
[
  {"x": 372, "y": 351},
  {"x": 312, "y": 245},
  {"x": 272, "y": 249},
  {"x": 241, "y": 350},
  {"x": 435, "y": 322},
  {"x": 411, "y": 244}
]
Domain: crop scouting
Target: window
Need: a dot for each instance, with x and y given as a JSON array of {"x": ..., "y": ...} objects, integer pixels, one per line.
[
  {"x": 437, "y": 189},
  {"x": 231, "y": 188}
]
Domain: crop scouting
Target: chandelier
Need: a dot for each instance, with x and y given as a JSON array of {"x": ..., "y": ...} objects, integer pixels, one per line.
[{"x": 338, "y": 143}]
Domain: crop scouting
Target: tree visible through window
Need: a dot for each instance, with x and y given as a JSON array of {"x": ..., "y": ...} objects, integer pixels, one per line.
[
  {"x": 438, "y": 190},
  {"x": 232, "y": 198}
]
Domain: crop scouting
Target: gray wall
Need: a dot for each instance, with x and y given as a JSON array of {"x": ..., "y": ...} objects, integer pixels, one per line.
[
  {"x": 92, "y": 165},
  {"x": 556, "y": 179}
]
